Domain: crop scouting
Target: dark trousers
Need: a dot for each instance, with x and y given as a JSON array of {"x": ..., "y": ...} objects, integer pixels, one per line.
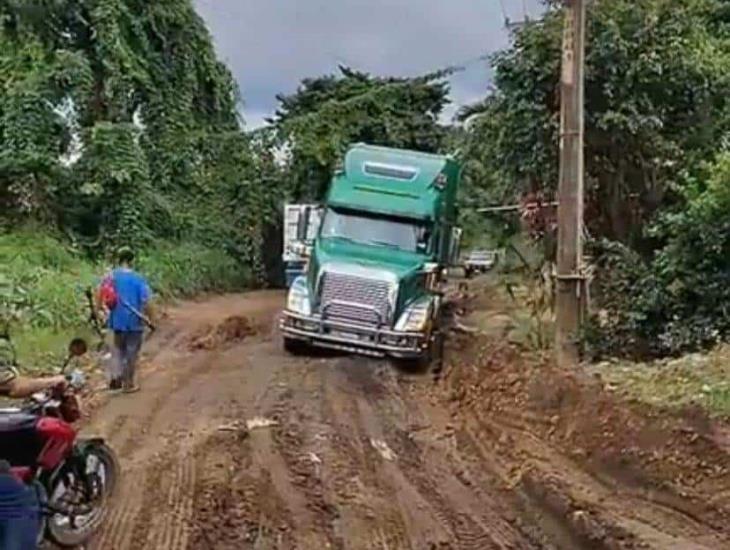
[
  {"x": 126, "y": 353},
  {"x": 20, "y": 515}
]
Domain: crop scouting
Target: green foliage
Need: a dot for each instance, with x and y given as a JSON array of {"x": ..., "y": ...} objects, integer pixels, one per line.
[
  {"x": 657, "y": 81},
  {"x": 679, "y": 301},
  {"x": 119, "y": 125},
  {"x": 326, "y": 114},
  {"x": 190, "y": 269},
  {"x": 657, "y": 117},
  {"x": 43, "y": 280}
]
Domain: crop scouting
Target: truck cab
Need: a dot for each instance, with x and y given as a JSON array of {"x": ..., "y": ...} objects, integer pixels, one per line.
[{"x": 377, "y": 263}]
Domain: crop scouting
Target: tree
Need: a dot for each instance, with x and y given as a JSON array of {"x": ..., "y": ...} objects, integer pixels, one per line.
[
  {"x": 326, "y": 114},
  {"x": 117, "y": 122},
  {"x": 657, "y": 84}
]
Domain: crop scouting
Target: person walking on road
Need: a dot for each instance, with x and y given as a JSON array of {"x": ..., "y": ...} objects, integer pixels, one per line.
[{"x": 126, "y": 294}]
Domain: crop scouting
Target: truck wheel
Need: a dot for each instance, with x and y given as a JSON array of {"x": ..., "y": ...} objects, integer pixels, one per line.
[
  {"x": 436, "y": 352},
  {"x": 430, "y": 361},
  {"x": 295, "y": 346},
  {"x": 467, "y": 273}
]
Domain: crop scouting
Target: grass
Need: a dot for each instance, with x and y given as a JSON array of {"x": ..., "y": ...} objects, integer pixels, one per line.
[
  {"x": 524, "y": 319},
  {"x": 43, "y": 280},
  {"x": 44, "y": 350},
  {"x": 699, "y": 379}
]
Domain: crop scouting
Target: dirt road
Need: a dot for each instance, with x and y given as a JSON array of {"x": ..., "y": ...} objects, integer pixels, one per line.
[{"x": 349, "y": 453}]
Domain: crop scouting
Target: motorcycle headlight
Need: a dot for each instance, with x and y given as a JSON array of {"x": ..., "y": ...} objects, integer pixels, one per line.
[
  {"x": 298, "y": 300},
  {"x": 415, "y": 317}
]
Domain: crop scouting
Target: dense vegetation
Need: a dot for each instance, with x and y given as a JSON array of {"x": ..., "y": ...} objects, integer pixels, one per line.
[
  {"x": 657, "y": 135},
  {"x": 118, "y": 125}
]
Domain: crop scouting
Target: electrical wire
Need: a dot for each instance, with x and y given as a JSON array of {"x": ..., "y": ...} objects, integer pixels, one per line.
[{"x": 504, "y": 13}]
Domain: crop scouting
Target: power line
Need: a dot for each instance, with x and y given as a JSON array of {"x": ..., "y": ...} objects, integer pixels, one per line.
[
  {"x": 504, "y": 13},
  {"x": 511, "y": 25}
]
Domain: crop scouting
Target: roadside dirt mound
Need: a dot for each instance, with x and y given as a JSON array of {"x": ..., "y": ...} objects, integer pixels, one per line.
[
  {"x": 233, "y": 329},
  {"x": 609, "y": 472}
]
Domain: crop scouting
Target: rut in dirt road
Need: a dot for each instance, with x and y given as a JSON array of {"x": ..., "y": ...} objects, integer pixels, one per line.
[{"x": 354, "y": 455}]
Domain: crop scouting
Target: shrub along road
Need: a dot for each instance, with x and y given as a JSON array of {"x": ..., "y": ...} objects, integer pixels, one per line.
[{"x": 232, "y": 444}]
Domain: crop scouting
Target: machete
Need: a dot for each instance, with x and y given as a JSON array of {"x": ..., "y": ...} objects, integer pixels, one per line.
[{"x": 146, "y": 320}]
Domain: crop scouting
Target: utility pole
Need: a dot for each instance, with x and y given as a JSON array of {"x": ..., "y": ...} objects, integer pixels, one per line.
[{"x": 570, "y": 291}]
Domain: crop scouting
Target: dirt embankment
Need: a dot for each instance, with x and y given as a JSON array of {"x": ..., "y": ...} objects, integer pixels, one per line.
[
  {"x": 232, "y": 444},
  {"x": 591, "y": 469}
]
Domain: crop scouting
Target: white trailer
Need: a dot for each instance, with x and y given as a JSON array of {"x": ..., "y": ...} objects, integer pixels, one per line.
[{"x": 296, "y": 244}]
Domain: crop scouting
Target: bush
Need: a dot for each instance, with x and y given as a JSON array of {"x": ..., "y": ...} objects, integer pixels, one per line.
[
  {"x": 631, "y": 308},
  {"x": 680, "y": 301},
  {"x": 43, "y": 281},
  {"x": 189, "y": 269}
]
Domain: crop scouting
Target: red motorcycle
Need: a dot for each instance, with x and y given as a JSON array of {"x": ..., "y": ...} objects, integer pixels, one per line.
[{"x": 75, "y": 477}]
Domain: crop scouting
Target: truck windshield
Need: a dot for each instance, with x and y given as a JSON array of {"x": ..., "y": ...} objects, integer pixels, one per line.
[{"x": 375, "y": 230}]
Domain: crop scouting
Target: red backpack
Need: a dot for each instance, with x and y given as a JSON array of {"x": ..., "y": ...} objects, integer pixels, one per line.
[{"x": 108, "y": 293}]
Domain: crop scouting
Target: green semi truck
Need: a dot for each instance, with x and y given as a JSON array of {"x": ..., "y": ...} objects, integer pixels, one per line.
[{"x": 376, "y": 267}]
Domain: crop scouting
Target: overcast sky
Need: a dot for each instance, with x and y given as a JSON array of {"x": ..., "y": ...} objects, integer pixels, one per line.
[{"x": 270, "y": 45}]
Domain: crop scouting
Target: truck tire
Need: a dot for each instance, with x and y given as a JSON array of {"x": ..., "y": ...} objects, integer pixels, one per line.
[
  {"x": 437, "y": 352},
  {"x": 294, "y": 346},
  {"x": 431, "y": 361}
]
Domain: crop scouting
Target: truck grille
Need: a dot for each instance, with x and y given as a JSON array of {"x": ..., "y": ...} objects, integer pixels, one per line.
[{"x": 355, "y": 299}]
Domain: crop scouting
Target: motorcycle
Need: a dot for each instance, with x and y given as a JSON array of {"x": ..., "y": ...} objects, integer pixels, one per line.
[{"x": 74, "y": 477}]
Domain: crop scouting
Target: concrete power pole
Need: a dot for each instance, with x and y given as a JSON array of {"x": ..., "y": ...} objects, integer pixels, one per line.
[{"x": 570, "y": 291}]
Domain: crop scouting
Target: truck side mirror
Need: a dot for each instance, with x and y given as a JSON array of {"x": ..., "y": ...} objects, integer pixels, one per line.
[
  {"x": 303, "y": 224},
  {"x": 455, "y": 251}
]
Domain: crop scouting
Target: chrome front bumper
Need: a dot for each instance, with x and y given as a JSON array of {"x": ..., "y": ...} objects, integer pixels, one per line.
[{"x": 353, "y": 337}]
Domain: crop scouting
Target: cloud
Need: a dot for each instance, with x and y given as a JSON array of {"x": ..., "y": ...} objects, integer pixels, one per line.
[{"x": 270, "y": 45}]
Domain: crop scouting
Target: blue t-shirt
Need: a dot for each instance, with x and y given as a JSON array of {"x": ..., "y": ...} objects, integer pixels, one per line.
[{"x": 133, "y": 290}]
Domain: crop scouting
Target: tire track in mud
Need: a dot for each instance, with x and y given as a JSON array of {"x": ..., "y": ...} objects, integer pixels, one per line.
[
  {"x": 248, "y": 486},
  {"x": 171, "y": 495},
  {"x": 129, "y": 520},
  {"x": 366, "y": 500},
  {"x": 435, "y": 482},
  {"x": 235, "y": 503},
  {"x": 380, "y": 411},
  {"x": 290, "y": 441},
  {"x": 448, "y": 498}
]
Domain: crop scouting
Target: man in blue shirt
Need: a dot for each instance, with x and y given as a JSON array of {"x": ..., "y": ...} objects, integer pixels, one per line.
[{"x": 126, "y": 321}]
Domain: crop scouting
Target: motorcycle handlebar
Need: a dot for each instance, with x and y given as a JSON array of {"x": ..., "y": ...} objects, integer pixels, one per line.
[{"x": 76, "y": 379}]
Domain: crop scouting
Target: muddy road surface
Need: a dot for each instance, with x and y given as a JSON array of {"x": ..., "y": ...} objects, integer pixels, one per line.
[{"x": 232, "y": 444}]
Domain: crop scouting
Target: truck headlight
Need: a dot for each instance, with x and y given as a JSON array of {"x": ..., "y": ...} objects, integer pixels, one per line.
[
  {"x": 415, "y": 317},
  {"x": 298, "y": 299}
]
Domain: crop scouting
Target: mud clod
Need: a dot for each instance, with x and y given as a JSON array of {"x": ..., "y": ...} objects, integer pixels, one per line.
[{"x": 233, "y": 329}]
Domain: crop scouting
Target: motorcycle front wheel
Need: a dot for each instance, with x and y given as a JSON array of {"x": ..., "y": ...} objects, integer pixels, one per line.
[{"x": 78, "y": 508}]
